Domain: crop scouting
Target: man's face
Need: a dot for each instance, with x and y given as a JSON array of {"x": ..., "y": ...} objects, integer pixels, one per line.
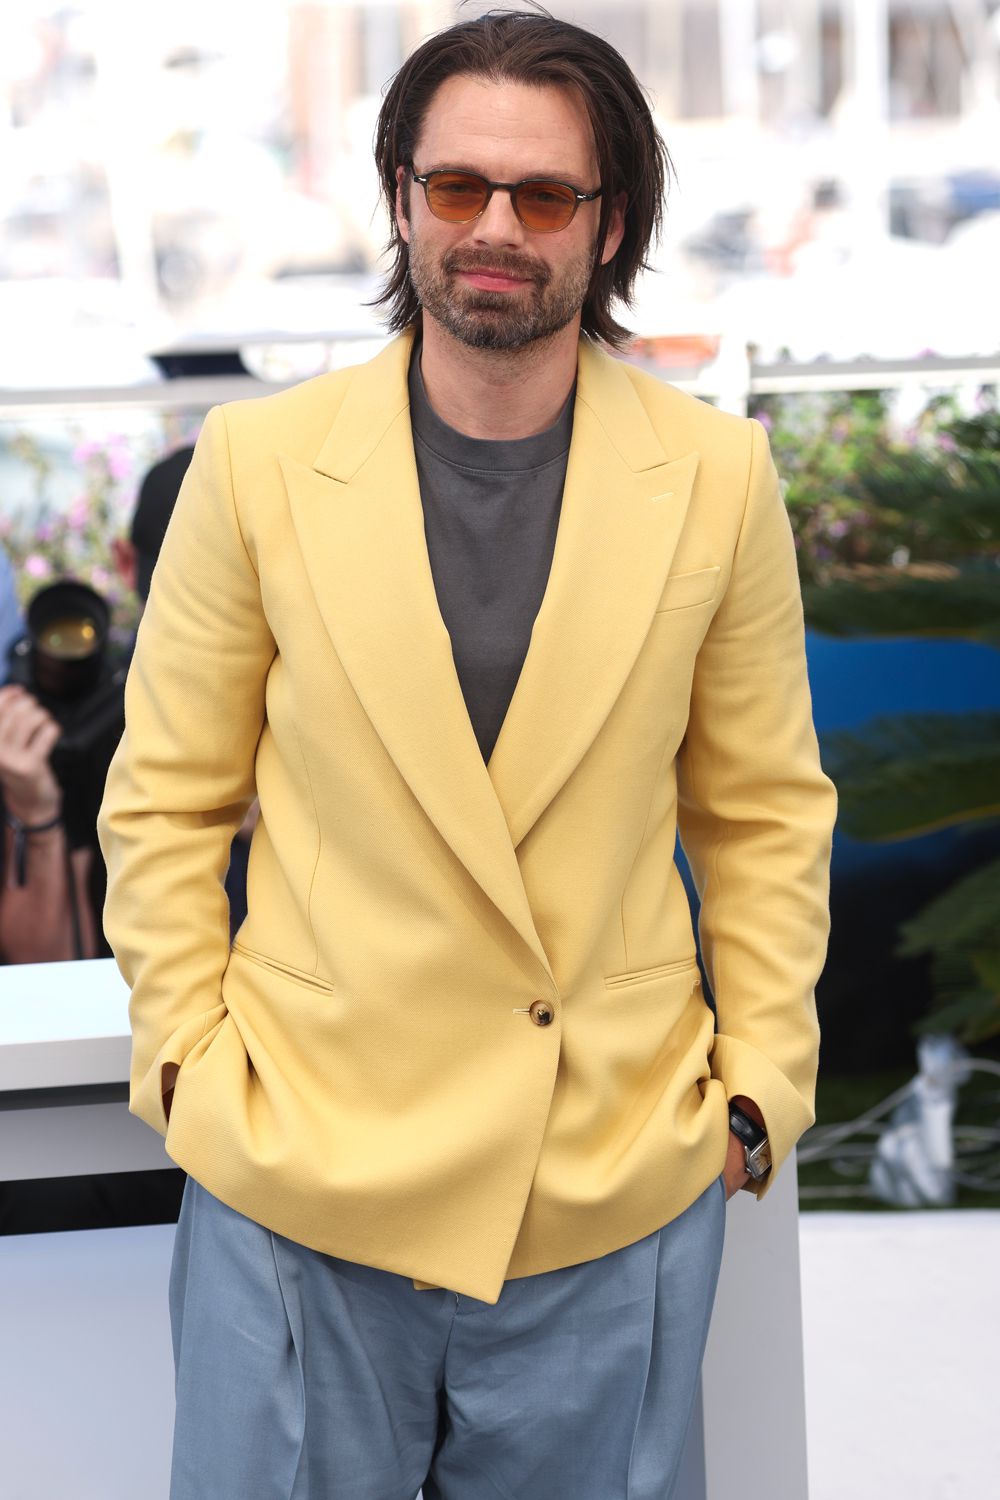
[{"x": 492, "y": 283}]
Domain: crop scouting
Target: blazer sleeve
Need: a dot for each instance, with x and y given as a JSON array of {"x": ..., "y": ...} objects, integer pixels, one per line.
[
  {"x": 755, "y": 817},
  {"x": 182, "y": 776}
]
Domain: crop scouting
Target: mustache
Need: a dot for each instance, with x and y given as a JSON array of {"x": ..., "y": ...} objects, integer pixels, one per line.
[{"x": 498, "y": 262}]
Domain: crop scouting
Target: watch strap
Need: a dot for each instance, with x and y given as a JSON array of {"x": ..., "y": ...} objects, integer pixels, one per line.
[{"x": 757, "y": 1151}]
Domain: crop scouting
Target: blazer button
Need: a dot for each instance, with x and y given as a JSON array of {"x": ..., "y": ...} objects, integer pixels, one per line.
[{"x": 540, "y": 1012}]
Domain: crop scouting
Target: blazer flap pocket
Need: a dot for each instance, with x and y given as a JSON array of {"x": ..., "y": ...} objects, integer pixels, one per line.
[{"x": 684, "y": 589}]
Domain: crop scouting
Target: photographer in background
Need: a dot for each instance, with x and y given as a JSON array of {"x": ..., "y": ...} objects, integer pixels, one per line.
[
  {"x": 37, "y": 923},
  {"x": 36, "y": 912}
]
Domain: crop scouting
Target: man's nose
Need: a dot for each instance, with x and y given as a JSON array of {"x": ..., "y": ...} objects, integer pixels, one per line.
[{"x": 498, "y": 224}]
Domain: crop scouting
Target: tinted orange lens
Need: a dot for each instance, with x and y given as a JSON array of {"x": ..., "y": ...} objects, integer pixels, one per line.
[
  {"x": 544, "y": 205},
  {"x": 456, "y": 196}
]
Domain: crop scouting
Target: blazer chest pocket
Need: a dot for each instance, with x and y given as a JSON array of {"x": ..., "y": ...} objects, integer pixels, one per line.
[
  {"x": 682, "y": 590},
  {"x": 299, "y": 976}
]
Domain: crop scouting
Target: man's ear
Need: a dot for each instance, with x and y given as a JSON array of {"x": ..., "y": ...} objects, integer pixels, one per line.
[
  {"x": 616, "y": 228},
  {"x": 402, "y": 220}
]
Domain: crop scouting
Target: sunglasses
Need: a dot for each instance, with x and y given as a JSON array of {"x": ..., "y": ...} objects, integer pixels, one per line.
[{"x": 541, "y": 205}]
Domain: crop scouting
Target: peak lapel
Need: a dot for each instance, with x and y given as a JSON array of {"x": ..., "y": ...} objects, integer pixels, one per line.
[
  {"x": 360, "y": 525},
  {"x": 623, "y": 508}
]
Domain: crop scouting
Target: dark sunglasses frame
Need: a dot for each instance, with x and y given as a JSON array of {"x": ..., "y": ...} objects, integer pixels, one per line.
[{"x": 507, "y": 187}]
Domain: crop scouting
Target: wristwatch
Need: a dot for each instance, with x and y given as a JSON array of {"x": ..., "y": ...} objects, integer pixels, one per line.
[{"x": 755, "y": 1145}]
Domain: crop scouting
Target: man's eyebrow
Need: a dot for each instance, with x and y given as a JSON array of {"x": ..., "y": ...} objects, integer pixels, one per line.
[{"x": 451, "y": 165}]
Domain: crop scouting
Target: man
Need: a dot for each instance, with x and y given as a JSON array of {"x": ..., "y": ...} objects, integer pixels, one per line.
[{"x": 483, "y": 622}]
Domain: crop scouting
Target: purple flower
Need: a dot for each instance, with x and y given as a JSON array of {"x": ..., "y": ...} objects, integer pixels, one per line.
[
  {"x": 837, "y": 528},
  {"x": 766, "y": 421}
]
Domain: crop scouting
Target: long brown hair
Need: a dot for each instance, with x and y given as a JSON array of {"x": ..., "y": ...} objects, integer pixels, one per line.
[{"x": 525, "y": 47}]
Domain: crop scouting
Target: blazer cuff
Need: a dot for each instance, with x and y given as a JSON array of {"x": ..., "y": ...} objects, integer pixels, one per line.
[
  {"x": 744, "y": 1070},
  {"x": 146, "y": 1090}
]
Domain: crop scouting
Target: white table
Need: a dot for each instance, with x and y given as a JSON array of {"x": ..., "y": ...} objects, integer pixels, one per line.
[{"x": 86, "y": 1375}]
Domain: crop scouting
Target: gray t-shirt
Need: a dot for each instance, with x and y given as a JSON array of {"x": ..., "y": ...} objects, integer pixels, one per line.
[{"x": 491, "y": 511}]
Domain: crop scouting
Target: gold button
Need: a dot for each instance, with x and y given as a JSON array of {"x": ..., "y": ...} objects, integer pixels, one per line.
[{"x": 541, "y": 1012}]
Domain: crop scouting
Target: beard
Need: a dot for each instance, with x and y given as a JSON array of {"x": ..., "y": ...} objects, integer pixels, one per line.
[{"x": 502, "y": 321}]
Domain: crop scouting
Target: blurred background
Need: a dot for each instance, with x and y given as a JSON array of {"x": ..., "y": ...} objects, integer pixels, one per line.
[
  {"x": 172, "y": 172},
  {"x": 188, "y": 213}
]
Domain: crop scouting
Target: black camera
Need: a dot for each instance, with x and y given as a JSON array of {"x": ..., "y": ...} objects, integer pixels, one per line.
[{"x": 67, "y": 662}]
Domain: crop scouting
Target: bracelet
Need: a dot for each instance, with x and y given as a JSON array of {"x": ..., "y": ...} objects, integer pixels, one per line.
[{"x": 21, "y": 831}]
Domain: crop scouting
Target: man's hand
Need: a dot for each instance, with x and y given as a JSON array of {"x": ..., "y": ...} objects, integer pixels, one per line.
[
  {"x": 735, "y": 1172},
  {"x": 170, "y": 1072},
  {"x": 27, "y": 736}
]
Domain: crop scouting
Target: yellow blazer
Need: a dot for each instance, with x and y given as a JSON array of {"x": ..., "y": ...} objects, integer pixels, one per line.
[{"x": 363, "y": 1071}]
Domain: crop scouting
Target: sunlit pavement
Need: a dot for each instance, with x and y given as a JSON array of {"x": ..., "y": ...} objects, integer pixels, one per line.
[{"x": 901, "y": 1321}]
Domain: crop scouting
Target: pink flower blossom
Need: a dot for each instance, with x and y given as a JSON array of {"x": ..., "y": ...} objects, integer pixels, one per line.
[
  {"x": 78, "y": 513},
  {"x": 119, "y": 465},
  {"x": 84, "y": 452},
  {"x": 37, "y": 566}
]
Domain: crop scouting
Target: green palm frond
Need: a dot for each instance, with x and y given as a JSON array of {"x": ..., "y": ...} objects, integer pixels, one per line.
[
  {"x": 972, "y": 1018},
  {"x": 961, "y": 929},
  {"x": 909, "y": 774},
  {"x": 893, "y": 602},
  {"x": 964, "y": 919}
]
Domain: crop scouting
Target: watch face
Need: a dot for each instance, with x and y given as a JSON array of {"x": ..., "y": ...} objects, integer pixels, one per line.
[{"x": 759, "y": 1160}]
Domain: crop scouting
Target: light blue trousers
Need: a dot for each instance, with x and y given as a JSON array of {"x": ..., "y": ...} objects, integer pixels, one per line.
[{"x": 304, "y": 1377}]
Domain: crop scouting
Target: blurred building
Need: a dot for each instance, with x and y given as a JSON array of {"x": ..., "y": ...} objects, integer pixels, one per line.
[{"x": 164, "y": 171}]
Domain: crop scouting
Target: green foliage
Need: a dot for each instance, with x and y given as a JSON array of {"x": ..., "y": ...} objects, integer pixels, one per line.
[
  {"x": 961, "y": 932},
  {"x": 917, "y": 600},
  {"x": 910, "y": 774},
  {"x": 909, "y": 545},
  {"x": 820, "y": 443},
  {"x": 80, "y": 497},
  {"x": 860, "y": 489}
]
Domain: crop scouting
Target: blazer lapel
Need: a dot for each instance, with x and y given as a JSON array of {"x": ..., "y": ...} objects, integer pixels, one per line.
[
  {"x": 623, "y": 508},
  {"x": 359, "y": 521}
]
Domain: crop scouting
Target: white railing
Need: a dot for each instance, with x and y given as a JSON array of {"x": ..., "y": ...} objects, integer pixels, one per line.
[{"x": 730, "y": 379}]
